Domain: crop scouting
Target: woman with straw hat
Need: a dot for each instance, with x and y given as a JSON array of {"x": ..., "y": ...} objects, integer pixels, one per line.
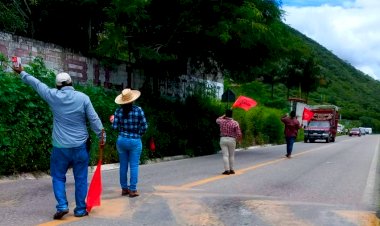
[{"x": 129, "y": 119}]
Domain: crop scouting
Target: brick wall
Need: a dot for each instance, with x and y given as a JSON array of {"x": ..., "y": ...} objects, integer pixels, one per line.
[{"x": 88, "y": 70}]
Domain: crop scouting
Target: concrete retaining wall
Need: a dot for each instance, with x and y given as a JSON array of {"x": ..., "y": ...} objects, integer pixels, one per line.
[{"x": 88, "y": 70}]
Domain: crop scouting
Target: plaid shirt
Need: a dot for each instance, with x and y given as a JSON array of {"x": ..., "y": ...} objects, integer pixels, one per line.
[
  {"x": 229, "y": 127},
  {"x": 133, "y": 126}
]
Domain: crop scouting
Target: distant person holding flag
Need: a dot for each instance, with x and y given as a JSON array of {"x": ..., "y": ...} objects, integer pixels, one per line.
[
  {"x": 292, "y": 125},
  {"x": 230, "y": 133}
]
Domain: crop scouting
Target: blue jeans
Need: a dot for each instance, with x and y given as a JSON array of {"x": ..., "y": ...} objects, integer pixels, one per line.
[
  {"x": 129, "y": 150},
  {"x": 289, "y": 144},
  {"x": 60, "y": 161}
]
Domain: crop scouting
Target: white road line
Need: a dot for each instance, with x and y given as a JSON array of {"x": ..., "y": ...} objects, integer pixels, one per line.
[{"x": 369, "y": 191}]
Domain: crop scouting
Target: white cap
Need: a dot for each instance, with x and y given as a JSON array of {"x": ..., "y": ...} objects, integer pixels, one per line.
[{"x": 62, "y": 77}]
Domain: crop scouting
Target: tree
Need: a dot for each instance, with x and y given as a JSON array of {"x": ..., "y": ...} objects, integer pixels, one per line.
[
  {"x": 311, "y": 78},
  {"x": 208, "y": 35},
  {"x": 70, "y": 23},
  {"x": 13, "y": 18}
]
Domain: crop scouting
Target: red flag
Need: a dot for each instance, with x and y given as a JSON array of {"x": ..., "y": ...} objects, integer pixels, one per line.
[
  {"x": 307, "y": 114},
  {"x": 95, "y": 189},
  {"x": 244, "y": 102},
  {"x": 152, "y": 145}
]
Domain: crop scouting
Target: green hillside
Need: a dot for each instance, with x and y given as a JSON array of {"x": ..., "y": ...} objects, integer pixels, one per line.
[{"x": 357, "y": 94}]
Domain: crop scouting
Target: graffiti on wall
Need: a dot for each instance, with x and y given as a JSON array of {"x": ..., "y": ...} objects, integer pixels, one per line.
[
  {"x": 84, "y": 69},
  {"x": 77, "y": 69}
]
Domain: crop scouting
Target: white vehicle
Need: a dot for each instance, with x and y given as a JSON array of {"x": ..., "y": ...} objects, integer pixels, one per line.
[
  {"x": 368, "y": 130},
  {"x": 362, "y": 131},
  {"x": 340, "y": 128}
]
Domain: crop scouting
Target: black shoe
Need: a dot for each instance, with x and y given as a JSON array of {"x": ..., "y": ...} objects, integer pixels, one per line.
[
  {"x": 232, "y": 172},
  {"x": 227, "y": 172},
  {"x": 288, "y": 156},
  {"x": 59, "y": 214},
  {"x": 133, "y": 194},
  {"x": 81, "y": 215},
  {"x": 125, "y": 192}
]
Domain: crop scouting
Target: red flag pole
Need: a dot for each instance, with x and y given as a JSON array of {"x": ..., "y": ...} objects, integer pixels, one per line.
[
  {"x": 101, "y": 147},
  {"x": 95, "y": 189}
]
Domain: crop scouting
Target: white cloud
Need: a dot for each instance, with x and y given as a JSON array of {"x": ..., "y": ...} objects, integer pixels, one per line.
[{"x": 351, "y": 31}]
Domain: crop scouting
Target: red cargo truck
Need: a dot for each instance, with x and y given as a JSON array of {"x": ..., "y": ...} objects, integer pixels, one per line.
[{"x": 323, "y": 125}]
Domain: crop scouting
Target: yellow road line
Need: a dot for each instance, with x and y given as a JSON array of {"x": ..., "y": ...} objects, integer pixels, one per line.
[
  {"x": 64, "y": 220},
  {"x": 241, "y": 171},
  {"x": 360, "y": 218}
]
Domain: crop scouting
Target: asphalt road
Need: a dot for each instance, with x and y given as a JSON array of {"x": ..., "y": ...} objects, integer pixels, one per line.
[{"x": 323, "y": 184}]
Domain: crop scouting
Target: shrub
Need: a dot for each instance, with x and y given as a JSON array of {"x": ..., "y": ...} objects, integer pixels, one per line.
[
  {"x": 273, "y": 128},
  {"x": 260, "y": 125},
  {"x": 25, "y": 125}
]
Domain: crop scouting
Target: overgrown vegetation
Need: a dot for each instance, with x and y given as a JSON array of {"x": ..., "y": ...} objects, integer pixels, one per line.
[
  {"x": 244, "y": 40},
  {"x": 178, "y": 128}
]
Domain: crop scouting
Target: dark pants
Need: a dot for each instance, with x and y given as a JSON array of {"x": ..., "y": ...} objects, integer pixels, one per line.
[{"x": 289, "y": 144}]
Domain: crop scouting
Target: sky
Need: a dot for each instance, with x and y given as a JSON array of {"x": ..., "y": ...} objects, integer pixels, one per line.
[{"x": 350, "y": 29}]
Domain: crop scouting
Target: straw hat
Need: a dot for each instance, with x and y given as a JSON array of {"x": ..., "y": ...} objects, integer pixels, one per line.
[{"x": 127, "y": 96}]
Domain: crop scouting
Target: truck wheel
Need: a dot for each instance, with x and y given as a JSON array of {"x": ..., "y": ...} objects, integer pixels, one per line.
[
  {"x": 311, "y": 141},
  {"x": 305, "y": 140},
  {"x": 328, "y": 140},
  {"x": 332, "y": 139}
]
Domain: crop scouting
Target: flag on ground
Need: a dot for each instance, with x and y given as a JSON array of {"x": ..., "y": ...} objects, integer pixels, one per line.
[
  {"x": 307, "y": 114},
  {"x": 95, "y": 189},
  {"x": 244, "y": 102}
]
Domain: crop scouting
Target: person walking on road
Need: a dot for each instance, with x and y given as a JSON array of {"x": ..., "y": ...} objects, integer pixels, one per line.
[
  {"x": 71, "y": 109},
  {"x": 230, "y": 133},
  {"x": 129, "y": 119},
  {"x": 292, "y": 125}
]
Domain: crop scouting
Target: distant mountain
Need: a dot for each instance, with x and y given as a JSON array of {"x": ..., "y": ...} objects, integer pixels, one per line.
[{"x": 357, "y": 94}]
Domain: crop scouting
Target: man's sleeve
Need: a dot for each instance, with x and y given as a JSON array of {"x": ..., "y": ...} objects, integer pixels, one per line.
[
  {"x": 95, "y": 123},
  {"x": 41, "y": 88}
]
